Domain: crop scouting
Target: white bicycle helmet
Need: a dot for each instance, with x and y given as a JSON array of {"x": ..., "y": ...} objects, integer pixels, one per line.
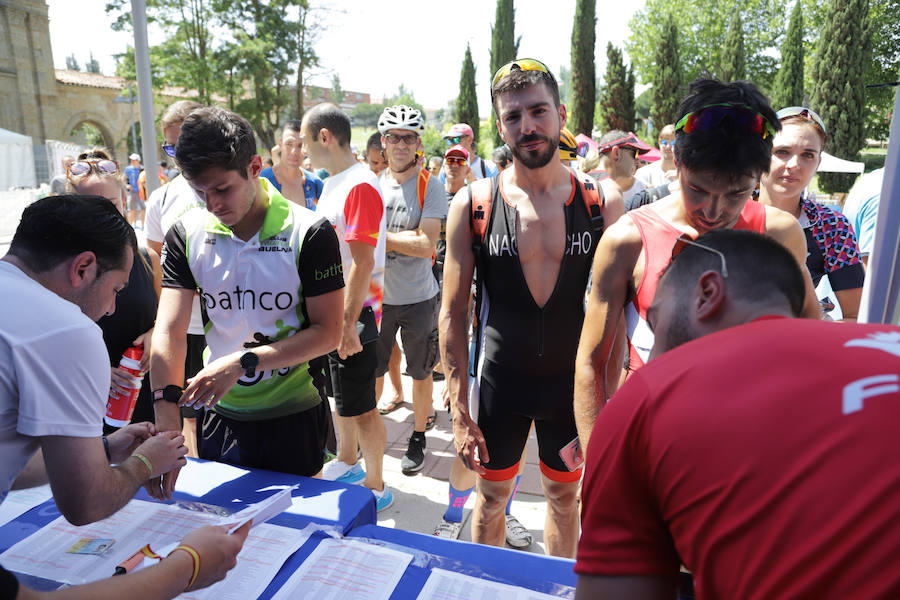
[{"x": 401, "y": 117}]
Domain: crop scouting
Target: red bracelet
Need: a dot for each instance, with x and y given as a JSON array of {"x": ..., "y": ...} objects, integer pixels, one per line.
[{"x": 194, "y": 555}]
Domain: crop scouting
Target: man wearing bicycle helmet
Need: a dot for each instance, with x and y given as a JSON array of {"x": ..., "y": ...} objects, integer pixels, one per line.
[{"x": 414, "y": 205}]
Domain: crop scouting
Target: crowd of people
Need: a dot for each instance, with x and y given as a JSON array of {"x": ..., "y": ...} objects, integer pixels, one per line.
[{"x": 655, "y": 326}]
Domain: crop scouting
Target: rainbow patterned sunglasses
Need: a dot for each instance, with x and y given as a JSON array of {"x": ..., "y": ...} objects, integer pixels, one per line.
[{"x": 710, "y": 117}]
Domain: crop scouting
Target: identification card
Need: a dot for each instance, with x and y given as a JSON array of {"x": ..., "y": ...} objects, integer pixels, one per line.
[{"x": 94, "y": 546}]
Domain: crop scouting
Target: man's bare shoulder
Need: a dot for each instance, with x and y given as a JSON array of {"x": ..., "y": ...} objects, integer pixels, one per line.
[{"x": 622, "y": 234}]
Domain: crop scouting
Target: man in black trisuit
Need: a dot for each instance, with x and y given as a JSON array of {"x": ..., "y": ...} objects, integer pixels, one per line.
[{"x": 535, "y": 230}]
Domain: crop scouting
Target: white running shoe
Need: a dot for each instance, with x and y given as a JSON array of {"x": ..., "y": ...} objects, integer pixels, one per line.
[
  {"x": 516, "y": 534},
  {"x": 448, "y": 529}
]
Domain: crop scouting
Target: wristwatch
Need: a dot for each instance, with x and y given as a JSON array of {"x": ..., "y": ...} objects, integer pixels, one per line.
[
  {"x": 170, "y": 393},
  {"x": 249, "y": 362}
]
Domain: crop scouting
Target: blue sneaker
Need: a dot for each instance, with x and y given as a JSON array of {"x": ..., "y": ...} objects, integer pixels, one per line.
[
  {"x": 342, "y": 472},
  {"x": 383, "y": 499}
]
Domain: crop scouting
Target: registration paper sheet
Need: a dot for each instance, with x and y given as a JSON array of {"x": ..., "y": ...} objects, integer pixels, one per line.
[
  {"x": 447, "y": 585},
  {"x": 345, "y": 569},
  {"x": 19, "y": 502},
  {"x": 43, "y": 554}
]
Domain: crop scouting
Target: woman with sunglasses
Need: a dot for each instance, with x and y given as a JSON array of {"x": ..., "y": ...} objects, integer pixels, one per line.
[
  {"x": 95, "y": 173},
  {"x": 832, "y": 247}
]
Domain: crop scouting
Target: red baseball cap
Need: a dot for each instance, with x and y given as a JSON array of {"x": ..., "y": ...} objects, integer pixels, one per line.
[
  {"x": 459, "y": 129},
  {"x": 628, "y": 140},
  {"x": 457, "y": 150}
]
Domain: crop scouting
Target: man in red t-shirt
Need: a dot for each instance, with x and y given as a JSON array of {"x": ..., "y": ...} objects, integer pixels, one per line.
[
  {"x": 724, "y": 133},
  {"x": 753, "y": 452}
]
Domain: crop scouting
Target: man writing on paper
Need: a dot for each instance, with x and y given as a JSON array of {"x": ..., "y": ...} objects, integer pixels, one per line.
[{"x": 69, "y": 258}]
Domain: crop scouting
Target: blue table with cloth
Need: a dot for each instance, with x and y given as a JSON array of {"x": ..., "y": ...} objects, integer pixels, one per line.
[{"x": 329, "y": 503}]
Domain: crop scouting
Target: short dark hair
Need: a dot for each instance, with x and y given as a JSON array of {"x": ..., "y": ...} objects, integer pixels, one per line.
[
  {"x": 329, "y": 116},
  {"x": 58, "y": 228},
  {"x": 519, "y": 80},
  {"x": 214, "y": 137},
  {"x": 759, "y": 268},
  {"x": 374, "y": 142},
  {"x": 292, "y": 125},
  {"x": 725, "y": 150},
  {"x": 502, "y": 156}
]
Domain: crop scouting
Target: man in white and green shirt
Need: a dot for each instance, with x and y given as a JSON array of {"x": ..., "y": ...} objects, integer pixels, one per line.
[{"x": 271, "y": 282}]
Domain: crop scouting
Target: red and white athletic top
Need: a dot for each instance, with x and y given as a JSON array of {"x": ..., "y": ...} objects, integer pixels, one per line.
[
  {"x": 352, "y": 203},
  {"x": 762, "y": 456},
  {"x": 658, "y": 238}
]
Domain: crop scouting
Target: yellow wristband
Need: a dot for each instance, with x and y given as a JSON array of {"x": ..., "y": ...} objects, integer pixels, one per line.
[
  {"x": 144, "y": 460},
  {"x": 194, "y": 555}
]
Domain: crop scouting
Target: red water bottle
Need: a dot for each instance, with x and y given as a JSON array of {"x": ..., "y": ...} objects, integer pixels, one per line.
[{"x": 120, "y": 407}]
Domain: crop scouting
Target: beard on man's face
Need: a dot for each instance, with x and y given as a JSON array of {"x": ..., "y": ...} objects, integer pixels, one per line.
[{"x": 534, "y": 159}]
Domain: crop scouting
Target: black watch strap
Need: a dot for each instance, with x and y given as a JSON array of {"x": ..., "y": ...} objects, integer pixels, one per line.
[
  {"x": 170, "y": 393},
  {"x": 249, "y": 362}
]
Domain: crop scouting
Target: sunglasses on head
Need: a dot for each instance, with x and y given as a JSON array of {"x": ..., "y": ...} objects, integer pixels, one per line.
[
  {"x": 710, "y": 117},
  {"x": 101, "y": 166},
  {"x": 523, "y": 64},
  {"x": 394, "y": 138},
  {"x": 169, "y": 149},
  {"x": 455, "y": 160},
  {"x": 684, "y": 241},
  {"x": 802, "y": 111},
  {"x": 664, "y": 143}
]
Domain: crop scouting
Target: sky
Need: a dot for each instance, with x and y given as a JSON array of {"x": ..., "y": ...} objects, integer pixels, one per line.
[{"x": 375, "y": 46}]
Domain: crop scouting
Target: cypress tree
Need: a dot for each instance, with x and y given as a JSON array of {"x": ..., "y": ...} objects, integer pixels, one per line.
[
  {"x": 839, "y": 94},
  {"x": 629, "y": 97},
  {"x": 504, "y": 46},
  {"x": 614, "y": 99},
  {"x": 666, "y": 75},
  {"x": 734, "y": 66},
  {"x": 583, "y": 84},
  {"x": 467, "y": 102},
  {"x": 788, "y": 88}
]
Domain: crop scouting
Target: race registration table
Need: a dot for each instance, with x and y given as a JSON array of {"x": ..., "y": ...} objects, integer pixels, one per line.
[
  {"x": 433, "y": 555},
  {"x": 208, "y": 486}
]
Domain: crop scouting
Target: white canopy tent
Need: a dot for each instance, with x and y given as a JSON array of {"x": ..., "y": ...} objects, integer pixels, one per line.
[
  {"x": 833, "y": 164},
  {"x": 16, "y": 161}
]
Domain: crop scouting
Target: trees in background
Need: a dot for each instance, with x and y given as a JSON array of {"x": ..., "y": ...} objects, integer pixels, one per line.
[
  {"x": 839, "y": 95},
  {"x": 788, "y": 87},
  {"x": 249, "y": 54},
  {"x": 616, "y": 108},
  {"x": 702, "y": 27},
  {"x": 666, "y": 75},
  {"x": 467, "y": 101},
  {"x": 733, "y": 66},
  {"x": 582, "y": 78},
  {"x": 504, "y": 47}
]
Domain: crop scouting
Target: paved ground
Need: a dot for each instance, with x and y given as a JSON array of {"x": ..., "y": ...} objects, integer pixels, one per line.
[{"x": 420, "y": 500}]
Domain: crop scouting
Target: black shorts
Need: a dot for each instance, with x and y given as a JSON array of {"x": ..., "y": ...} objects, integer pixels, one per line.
[
  {"x": 509, "y": 403},
  {"x": 289, "y": 444},
  {"x": 418, "y": 332},
  {"x": 353, "y": 381},
  {"x": 193, "y": 362}
]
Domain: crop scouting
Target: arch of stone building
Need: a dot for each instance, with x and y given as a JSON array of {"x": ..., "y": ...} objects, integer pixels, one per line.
[{"x": 94, "y": 119}]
